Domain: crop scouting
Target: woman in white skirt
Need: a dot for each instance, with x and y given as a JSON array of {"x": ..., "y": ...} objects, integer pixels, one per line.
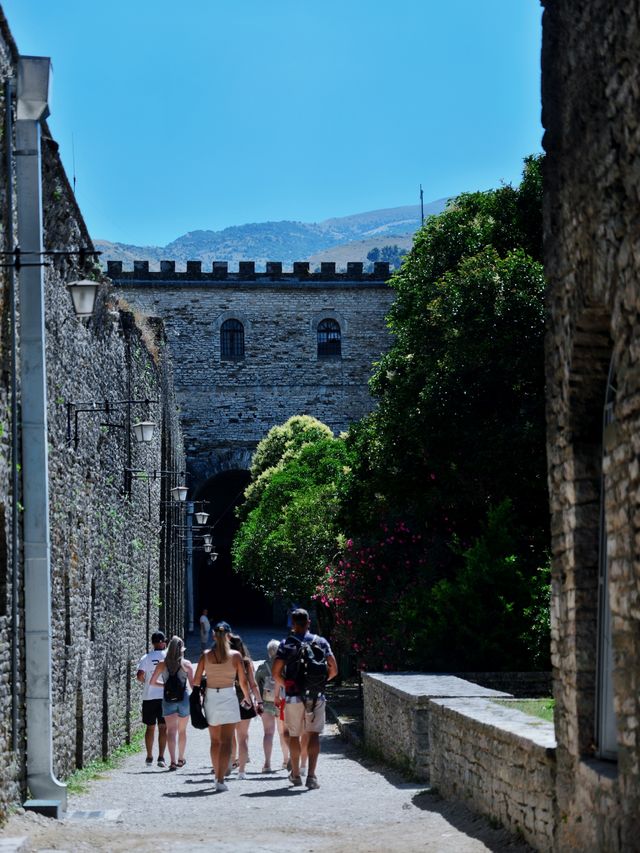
[{"x": 221, "y": 665}]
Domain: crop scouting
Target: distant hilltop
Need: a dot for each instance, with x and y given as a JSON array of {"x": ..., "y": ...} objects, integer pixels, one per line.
[{"x": 343, "y": 239}]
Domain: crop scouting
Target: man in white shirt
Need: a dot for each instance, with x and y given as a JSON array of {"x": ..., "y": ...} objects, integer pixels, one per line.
[
  {"x": 152, "y": 698},
  {"x": 205, "y": 630}
]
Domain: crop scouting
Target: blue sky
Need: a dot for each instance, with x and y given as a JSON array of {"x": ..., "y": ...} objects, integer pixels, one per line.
[{"x": 220, "y": 112}]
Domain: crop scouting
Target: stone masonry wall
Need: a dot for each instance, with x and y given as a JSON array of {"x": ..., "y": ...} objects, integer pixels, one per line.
[
  {"x": 397, "y": 709},
  {"x": 107, "y": 589},
  {"x": 498, "y": 761},
  {"x": 228, "y": 406},
  {"x": 449, "y": 732},
  {"x": 591, "y": 104}
]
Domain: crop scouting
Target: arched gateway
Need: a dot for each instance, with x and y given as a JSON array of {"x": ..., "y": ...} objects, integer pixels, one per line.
[{"x": 249, "y": 350}]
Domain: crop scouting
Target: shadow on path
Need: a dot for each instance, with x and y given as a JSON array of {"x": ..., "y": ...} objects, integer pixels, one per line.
[{"x": 475, "y": 826}]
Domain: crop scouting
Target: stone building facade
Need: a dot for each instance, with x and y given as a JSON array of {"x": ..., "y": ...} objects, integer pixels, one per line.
[
  {"x": 249, "y": 351},
  {"x": 114, "y": 578},
  {"x": 229, "y": 401},
  {"x": 591, "y": 109}
]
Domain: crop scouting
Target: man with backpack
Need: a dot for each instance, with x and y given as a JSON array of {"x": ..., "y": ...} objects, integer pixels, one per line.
[
  {"x": 152, "y": 698},
  {"x": 303, "y": 665}
]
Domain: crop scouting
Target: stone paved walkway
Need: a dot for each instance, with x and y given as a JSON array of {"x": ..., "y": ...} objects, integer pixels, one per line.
[{"x": 361, "y": 806}]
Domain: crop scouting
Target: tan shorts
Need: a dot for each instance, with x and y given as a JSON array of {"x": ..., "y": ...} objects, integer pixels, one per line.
[{"x": 298, "y": 720}]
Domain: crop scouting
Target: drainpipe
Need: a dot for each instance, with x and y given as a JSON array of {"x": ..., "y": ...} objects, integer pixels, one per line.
[
  {"x": 189, "y": 567},
  {"x": 32, "y": 92},
  {"x": 15, "y": 636}
]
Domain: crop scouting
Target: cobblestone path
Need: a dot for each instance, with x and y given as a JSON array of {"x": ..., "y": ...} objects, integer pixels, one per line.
[{"x": 360, "y": 806}]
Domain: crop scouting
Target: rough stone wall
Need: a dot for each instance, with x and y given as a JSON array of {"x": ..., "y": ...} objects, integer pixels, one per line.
[
  {"x": 228, "y": 406},
  {"x": 447, "y": 731},
  {"x": 591, "y": 104},
  {"x": 397, "y": 709},
  {"x": 107, "y": 588},
  {"x": 497, "y": 760}
]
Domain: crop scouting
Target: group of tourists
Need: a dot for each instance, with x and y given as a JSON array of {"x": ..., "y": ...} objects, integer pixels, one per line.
[{"x": 286, "y": 692}]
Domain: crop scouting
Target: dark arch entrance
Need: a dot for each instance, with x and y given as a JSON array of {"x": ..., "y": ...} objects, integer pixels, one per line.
[{"x": 217, "y": 586}]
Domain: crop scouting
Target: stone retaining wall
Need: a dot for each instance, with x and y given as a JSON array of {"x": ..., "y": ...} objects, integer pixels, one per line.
[
  {"x": 396, "y": 713},
  {"x": 496, "y": 759}
]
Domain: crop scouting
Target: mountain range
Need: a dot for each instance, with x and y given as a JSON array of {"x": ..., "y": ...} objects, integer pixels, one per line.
[{"x": 346, "y": 238}]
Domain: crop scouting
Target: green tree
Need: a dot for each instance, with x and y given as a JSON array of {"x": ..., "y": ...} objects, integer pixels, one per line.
[
  {"x": 289, "y": 530},
  {"x": 281, "y": 443},
  {"x": 460, "y": 421},
  {"x": 392, "y": 254}
]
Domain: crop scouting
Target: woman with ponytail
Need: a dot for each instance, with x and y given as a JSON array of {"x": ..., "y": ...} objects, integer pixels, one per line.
[
  {"x": 175, "y": 672},
  {"x": 221, "y": 666}
]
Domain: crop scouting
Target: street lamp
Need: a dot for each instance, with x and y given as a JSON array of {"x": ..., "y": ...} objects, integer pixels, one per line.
[
  {"x": 201, "y": 517},
  {"x": 207, "y": 539}
]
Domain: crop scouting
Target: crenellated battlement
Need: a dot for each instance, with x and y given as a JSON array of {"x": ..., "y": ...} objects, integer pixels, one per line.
[{"x": 219, "y": 272}]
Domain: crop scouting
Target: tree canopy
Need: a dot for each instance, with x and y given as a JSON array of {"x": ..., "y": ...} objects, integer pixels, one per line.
[
  {"x": 460, "y": 421},
  {"x": 289, "y": 531}
]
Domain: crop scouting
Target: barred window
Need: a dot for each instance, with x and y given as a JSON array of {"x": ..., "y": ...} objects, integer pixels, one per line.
[
  {"x": 329, "y": 339},
  {"x": 231, "y": 340}
]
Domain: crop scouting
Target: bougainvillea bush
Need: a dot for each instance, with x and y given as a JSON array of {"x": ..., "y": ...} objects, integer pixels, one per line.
[
  {"x": 364, "y": 590},
  {"x": 400, "y": 603}
]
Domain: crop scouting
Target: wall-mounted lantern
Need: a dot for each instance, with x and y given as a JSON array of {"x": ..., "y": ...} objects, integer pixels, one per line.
[
  {"x": 83, "y": 295},
  {"x": 207, "y": 539},
  {"x": 201, "y": 517},
  {"x": 143, "y": 431},
  {"x": 179, "y": 493}
]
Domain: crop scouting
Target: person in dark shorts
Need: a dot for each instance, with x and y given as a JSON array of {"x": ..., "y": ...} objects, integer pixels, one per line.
[{"x": 152, "y": 698}]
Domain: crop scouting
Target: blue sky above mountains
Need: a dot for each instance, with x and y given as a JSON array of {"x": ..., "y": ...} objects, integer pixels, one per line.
[{"x": 214, "y": 113}]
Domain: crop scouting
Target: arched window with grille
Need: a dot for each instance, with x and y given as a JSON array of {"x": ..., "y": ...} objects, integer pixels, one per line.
[
  {"x": 329, "y": 339},
  {"x": 231, "y": 340}
]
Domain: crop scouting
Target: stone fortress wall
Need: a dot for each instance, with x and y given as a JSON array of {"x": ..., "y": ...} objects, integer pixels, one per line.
[
  {"x": 228, "y": 405},
  {"x": 114, "y": 577}
]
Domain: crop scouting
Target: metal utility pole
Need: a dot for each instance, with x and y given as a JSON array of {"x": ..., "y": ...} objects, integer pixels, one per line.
[{"x": 421, "y": 206}]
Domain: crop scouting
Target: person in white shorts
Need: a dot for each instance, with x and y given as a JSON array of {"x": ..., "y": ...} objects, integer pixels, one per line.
[
  {"x": 300, "y": 717},
  {"x": 221, "y": 665}
]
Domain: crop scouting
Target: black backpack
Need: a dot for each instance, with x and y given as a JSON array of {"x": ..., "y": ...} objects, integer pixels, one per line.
[
  {"x": 174, "y": 686},
  {"x": 308, "y": 667}
]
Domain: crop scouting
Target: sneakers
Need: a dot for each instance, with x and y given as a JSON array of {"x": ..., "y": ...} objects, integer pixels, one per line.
[
  {"x": 161, "y": 762},
  {"x": 241, "y": 775},
  {"x": 221, "y": 786},
  {"x": 296, "y": 781},
  {"x": 312, "y": 783},
  {"x": 148, "y": 761}
]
